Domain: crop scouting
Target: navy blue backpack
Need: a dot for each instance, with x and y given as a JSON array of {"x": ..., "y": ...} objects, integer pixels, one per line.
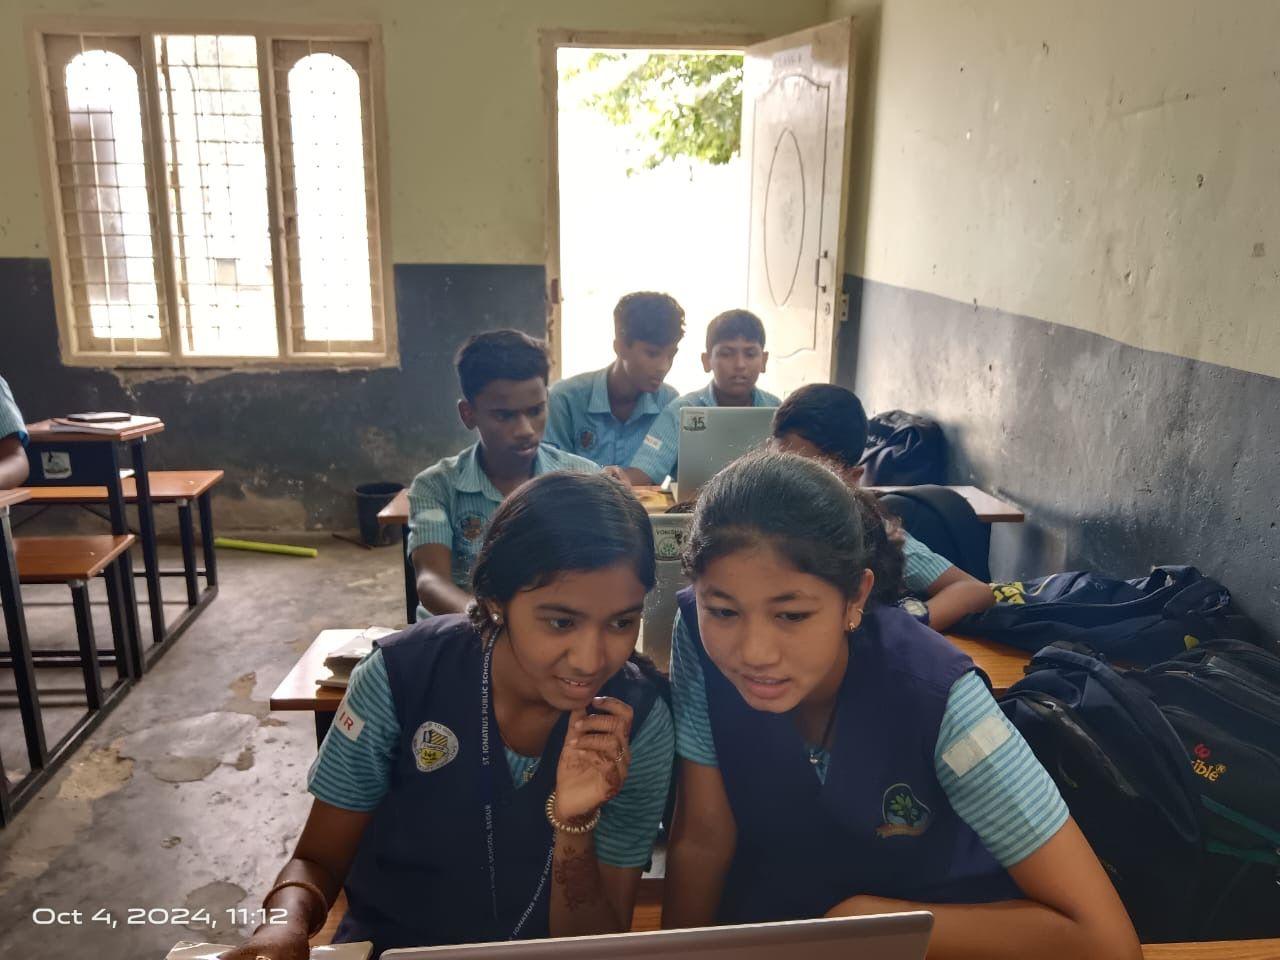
[
  {"x": 1173, "y": 775},
  {"x": 1140, "y": 621}
]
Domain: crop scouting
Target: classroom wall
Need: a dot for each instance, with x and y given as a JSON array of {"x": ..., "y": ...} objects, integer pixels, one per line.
[
  {"x": 468, "y": 185},
  {"x": 1070, "y": 255}
]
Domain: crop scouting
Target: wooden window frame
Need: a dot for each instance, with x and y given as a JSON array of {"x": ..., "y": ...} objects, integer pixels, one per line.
[{"x": 385, "y": 349}]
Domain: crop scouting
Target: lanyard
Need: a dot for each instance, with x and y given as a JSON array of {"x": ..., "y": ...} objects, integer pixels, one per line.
[{"x": 488, "y": 791}]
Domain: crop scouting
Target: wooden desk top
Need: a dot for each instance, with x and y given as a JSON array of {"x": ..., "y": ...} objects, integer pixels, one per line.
[
  {"x": 1221, "y": 950},
  {"x": 1002, "y": 663},
  {"x": 10, "y": 497},
  {"x": 298, "y": 690},
  {"x": 396, "y": 512},
  {"x": 988, "y": 508},
  {"x": 43, "y": 432}
]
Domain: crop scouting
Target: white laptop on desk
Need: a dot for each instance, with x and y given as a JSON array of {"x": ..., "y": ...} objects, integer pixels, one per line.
[
  {"x": 900, "y": 936},
  {"x": 669, "y": 533},
  {"x": 713, "y": 437}
]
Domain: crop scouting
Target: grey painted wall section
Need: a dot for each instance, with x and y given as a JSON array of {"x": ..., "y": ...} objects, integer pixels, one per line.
[
  {"x": 1122, "y": 458},
  {"x": 293, "y": 442}
]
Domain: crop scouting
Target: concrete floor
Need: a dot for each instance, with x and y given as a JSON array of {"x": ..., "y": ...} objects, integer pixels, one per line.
[{"x": 191, "y": 794}]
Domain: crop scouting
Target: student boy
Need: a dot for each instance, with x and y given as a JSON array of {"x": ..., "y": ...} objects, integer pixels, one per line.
[
  {"x": 604, "y": 415},
  {"x": 13, "y": 439},
  {"x": 735, "y": 358},
  {"x": 827, "y": 422},
  {"x": 503, "y": 375}
]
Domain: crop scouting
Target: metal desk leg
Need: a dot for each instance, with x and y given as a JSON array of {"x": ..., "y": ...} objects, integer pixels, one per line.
[
  {"x": 24, "y": 671},
  {"x": 119, "y": 636},
  {"x": 147, "y": 530},
  {"x": 120, "y": 526},
  {"x": 88, "y": 651},
  {"x": 189, "y": 570},
  {"x": 206, "y": 539}
]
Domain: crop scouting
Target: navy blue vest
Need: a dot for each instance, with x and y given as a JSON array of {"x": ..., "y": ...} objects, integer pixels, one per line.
[
  {"x": 420, "y": 876},
  {"x": 881, "y": 824}
]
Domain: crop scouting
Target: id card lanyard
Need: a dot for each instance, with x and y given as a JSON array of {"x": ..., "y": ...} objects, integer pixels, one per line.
[{"x": 488, "y": 792}]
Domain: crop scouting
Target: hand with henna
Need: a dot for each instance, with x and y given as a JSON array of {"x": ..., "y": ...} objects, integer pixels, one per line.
[{"x": 594, "y": 760}]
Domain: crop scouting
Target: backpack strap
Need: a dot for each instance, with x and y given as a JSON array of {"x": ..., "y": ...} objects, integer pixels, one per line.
[{"x": 971, "y": 536}]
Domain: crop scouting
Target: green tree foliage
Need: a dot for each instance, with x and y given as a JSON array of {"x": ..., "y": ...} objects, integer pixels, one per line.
[{"x": 688, "y": 104}]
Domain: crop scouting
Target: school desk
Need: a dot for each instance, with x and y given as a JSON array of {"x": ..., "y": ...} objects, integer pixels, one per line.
[
  {"x": 15, "y": 625},
  {"x": 93, "y": 457},
  {"x": 988, "y": 508},
  {"x": 1002, "y": 664},
  {"x": 298, "y": 690}
]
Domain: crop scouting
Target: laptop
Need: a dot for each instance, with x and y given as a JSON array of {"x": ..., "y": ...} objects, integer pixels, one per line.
[
  {"x": 898, "y": 936},
  {"x": 713, "y": 437},
  {"x": 669, "y": 533}
]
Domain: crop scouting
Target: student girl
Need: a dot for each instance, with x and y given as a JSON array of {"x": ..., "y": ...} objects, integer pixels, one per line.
[
  {"x": 500, "y": 775},
  {"x": 838, "y": 757}
]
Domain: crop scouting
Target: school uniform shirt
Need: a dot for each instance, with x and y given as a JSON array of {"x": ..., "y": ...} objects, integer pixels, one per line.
[
  {"x": 451, "y": 502},
  {"x": 581, "y": 421},
  {"x": 11, "y": 422},
  {"x": 406, "y": 747},
  {"x": 980, "y": 766},
  {"x": 657, "y": 454},
  {"x": 921, "y": 567}
]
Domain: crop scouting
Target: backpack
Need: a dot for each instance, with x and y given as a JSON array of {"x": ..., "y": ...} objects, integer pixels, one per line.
[
  {"x": 1140, "y": 621},
  {"x": 905, "y": 449},
  {"x": 1190, "y": 839},
  {"x": 944, "y": 522}
]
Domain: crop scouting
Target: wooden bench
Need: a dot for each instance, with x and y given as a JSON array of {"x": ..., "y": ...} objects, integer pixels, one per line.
[{"x": 178, "y": 487}]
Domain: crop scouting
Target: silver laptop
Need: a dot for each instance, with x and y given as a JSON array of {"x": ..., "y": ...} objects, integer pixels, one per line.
[
  {"x": 669, "y": 532},
  {"x": 713, "y": 437},
  {"x": 899, "y": 936}
]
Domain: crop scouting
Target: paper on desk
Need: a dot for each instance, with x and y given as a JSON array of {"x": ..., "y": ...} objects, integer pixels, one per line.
[{"x": 187, "y": 950}]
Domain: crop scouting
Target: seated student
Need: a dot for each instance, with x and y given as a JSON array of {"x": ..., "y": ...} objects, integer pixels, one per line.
[
  {"x": 825, "y": 421},
  {"x": 840, "y": 758},
  {"x": 604, "y": 415},
  {"x": 503, "y": 375},
  {"x": 13, "y": 439},
  {"x": 464, "y": 793},
  {"x": 735, "y": 358}
]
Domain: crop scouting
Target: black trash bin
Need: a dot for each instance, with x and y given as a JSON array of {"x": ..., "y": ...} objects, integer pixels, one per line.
[{"x": 370, "y": 498}]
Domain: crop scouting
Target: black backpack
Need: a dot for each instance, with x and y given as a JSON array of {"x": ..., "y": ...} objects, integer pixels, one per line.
[
  {"x": 1140, "y": 621},
  {"x": 944, "y": 522},
  {"x": 905, "y": 449},
  {"x": 1183, "y": 813}
]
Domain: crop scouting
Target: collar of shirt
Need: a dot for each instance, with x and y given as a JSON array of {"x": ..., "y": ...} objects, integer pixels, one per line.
[
  {"x": 646, "y": 404},
  {"x": 706, "y": 397},
  {"x": 471, "y": 478}
]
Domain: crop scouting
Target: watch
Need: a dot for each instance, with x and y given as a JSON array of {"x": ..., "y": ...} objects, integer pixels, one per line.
[{"x": 917, "y": 608}]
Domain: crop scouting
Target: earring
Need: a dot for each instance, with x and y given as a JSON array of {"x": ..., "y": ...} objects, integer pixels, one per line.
[{"x": 855, "y": 624}]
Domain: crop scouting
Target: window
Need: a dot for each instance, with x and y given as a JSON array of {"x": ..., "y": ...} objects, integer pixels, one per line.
[{"x": 215, "y": 198}]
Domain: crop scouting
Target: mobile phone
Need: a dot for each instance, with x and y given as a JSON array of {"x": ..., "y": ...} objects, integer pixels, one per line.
[{"x": 100, "y": 417}]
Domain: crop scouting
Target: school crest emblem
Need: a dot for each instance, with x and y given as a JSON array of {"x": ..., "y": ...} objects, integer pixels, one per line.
[
  {"x": 904, "y": 814},
  {"x": 587, "y": 439},
  {"x": 472, "y": 526},
  {"x": 434, "y": 745},
  {"x": 668, "y": 543}
]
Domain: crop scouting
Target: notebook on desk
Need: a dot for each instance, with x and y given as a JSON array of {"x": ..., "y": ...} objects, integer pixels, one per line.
[{"x": 901, "y": 936}]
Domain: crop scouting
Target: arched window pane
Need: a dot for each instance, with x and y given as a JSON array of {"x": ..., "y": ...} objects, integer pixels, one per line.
[
  {"x": 114, "y": 281},
  {"x": 332, "y": 214}
]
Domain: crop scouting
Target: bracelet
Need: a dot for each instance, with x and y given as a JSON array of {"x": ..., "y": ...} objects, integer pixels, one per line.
[
  {"x": 572, "y": 828},
  {"x": 310, "y": 888}
]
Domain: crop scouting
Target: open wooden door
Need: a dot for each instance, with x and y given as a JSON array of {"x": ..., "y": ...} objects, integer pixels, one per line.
[{"x": 796, "y": 130}]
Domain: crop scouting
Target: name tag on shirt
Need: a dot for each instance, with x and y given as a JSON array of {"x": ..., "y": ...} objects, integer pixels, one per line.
[
  {"x": 348, "y": 722},
  {"x": 652, "y": 442},
  {"x": 975, "y": 746}
]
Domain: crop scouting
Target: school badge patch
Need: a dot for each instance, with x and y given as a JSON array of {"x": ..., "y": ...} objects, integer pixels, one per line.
[
  {"x": 586, "y": 440},
  {"x": 434, "y": 745},
  {"x": 471, "y": 526},
  {"x": 904, "y": 814}
]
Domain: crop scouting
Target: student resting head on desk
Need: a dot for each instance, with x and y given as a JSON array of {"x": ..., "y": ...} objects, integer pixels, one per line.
[
  {"x": 828, "y": 423},
  {"x": 605, "y": 414},
  {"x": 464, "y": 792},
  {"x": 838, "y": 757},
  {"x": 13, "y": 439},
  {"x": 735, "y": 358},
  {"x": 503, "y": 376}
]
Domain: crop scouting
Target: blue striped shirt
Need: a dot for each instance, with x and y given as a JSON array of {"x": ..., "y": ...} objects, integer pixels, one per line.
[
  {"x": 451, "y": 502},
  {"x": 1006, "y": 797},
  {"x": 10, "y": 416},
  {"x": 657, "y": 455},
  {"x": 581, "y": 421},
  {"x": 922, "y": 566},
  {"x": 356, "y": 774}
]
